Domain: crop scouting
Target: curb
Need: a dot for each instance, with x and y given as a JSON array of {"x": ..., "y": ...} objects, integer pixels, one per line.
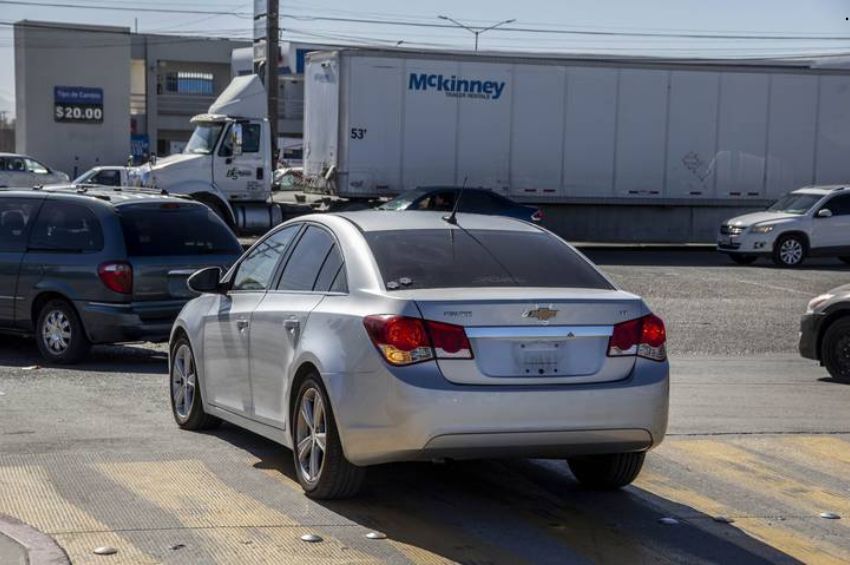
[{"x": 40, "y": 548}]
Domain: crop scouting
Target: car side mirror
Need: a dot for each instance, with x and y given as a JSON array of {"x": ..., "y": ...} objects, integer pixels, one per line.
[
  {"x": 207, "y": 281},
  {"x": 824, "y": 213}
]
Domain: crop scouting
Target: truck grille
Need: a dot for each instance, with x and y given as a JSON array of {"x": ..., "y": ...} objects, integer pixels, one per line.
[{"x": 726, "y": 229}]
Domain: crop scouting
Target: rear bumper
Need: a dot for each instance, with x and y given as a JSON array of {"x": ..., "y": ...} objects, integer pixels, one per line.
[
  {"x": 810, "y": 325},
  {"x": 135, "y": 321},
  {"x": 425, "y": 417}
]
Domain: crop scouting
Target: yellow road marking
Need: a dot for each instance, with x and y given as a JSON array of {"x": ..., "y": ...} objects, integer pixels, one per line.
[
  {"x": 741, "y": 468},
  {"x": 28, "y": 494},
  {"x": 780, "y": 538},
  {"x": 225, "y": 518}
]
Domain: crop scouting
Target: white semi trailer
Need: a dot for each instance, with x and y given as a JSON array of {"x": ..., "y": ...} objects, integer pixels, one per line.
[{"x": 677, "y": 145}]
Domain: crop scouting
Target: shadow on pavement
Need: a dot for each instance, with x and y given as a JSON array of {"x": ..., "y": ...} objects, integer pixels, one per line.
[
  {"x": 521, "y": 511},
  {"x": 22, "y": 352},
  {"x": 694, "y": 258}
]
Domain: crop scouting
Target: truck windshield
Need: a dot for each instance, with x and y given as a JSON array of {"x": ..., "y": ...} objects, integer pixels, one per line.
[
  {"x": 204, "y": 138},
  {"x": 795, "y": 203}
]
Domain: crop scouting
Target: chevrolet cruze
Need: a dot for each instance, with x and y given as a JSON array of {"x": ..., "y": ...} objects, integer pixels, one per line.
[{"x": 362, "y": 338}]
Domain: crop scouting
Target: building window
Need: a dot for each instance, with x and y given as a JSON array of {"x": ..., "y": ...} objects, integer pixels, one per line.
[{"x": 181, "y": 82}]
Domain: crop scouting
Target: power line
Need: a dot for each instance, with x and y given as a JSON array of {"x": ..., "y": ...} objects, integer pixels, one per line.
[
  {"x": 571, "y": 31},
  {"x": 128, "y": 9}
]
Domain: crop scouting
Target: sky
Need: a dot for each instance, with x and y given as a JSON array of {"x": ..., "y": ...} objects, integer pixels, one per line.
[{"x": 773, "y": 28}]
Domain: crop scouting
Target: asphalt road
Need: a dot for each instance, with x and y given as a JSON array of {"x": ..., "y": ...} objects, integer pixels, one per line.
[{"x": 91, "y": 456}]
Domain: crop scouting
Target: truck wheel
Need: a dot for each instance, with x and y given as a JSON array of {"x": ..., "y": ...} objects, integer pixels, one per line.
[
  {"x": 216, "y": 207},
  {"x": 607, "y": 472},
  {"x": 743, "y": 259},
  {"x": 60, "y": 335},
  {"x": 835, "y": 350},
  {"x": 320, "y": 464},
  {"x": 789, "y": 251}
]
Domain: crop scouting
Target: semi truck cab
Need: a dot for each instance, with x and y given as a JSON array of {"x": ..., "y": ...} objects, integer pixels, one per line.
[{"x": 227, "y": 163}]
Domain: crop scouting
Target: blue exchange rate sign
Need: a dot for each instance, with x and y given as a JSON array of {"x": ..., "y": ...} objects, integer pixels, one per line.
[{"x": 78, "y": 104}]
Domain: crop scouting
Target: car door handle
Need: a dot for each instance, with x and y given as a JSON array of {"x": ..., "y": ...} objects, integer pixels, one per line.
[
  {"x": 291, "y": 324},
  {"x": 242, "y": 324}
]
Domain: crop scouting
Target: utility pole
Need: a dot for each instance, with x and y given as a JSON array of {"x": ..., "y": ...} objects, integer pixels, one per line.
[{"x": 266, "y": 59}]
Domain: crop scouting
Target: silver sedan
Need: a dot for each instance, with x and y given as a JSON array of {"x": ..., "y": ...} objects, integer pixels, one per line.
[{"x": 368, "y": 337}]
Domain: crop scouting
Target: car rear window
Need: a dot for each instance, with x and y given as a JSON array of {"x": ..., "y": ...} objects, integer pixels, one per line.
[
  {"x": 166, "y": 230},
  {"x": 453, "y": 258}
]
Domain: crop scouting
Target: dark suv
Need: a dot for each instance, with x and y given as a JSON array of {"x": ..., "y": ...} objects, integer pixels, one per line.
[{"x": 86, "y": 266}]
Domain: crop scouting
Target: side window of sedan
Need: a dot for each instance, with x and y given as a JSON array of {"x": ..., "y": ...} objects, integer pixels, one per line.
[
  {"x": 305, "y": 263},
  {"x": 332, "y": 271},
  {"x": 256, "y": 271}
]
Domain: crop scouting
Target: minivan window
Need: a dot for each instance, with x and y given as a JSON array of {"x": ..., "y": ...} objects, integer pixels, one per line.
[
  {"x": 302, "y": 268},
  {"x": 16, "y": 214},
  {"x": 458, "y": 258},
  {"x": 256, "y": 271},
  {"x": 163, "y": 230},
  {"x": 65, "y": 226}
]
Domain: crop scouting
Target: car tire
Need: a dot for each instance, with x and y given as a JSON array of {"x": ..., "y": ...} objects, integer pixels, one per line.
[
  {"x": 330, "y": 475},
  {"x": 743, "y": 259},
  {"x": 835, "y": 350},
  {"x": 789, "y": 251},
  {"x": 187, "y": 405},
  {"x": 60, "y": 335},
  {"x": 607, "y": 472}
]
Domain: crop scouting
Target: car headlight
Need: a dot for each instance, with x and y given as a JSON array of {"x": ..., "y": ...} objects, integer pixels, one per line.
[
  {"x": 767, "y": 228},
  {"x": 817, "y": 301}
]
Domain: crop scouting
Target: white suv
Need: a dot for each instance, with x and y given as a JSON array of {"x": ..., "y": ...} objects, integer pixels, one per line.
[
  {"x": 808, "y": 222},
  {"x": 20, "y": 171}
]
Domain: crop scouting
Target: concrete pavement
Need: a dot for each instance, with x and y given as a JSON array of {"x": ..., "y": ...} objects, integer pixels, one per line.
[{"x": 90, "y": 456}]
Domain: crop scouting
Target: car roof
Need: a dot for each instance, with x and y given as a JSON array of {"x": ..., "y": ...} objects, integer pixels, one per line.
[
  {"x": 109, "y": 196},
  {"x": 386, "y": 220},
  {"x": 820, "y": 189},
  {"x": 13, "y": 155}
]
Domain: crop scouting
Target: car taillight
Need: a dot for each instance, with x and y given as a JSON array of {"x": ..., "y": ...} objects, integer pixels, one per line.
[
  {"x": 450, "y": 341},
  {"x": 117, "y": 276},
  {"x": 403, "y": 340},
  {"x": 537, "y": 216},
  {"x": 644, "y": 337}
]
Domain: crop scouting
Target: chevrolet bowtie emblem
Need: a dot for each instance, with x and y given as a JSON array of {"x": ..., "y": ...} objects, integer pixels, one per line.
[{"x": 542, "y": 314}]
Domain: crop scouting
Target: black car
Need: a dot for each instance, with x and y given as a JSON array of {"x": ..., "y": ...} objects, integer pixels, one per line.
[
  {"x": 473, "y": 201},
  {"x": 101, "y": 265},
  {"x": 825, "y": 332}
]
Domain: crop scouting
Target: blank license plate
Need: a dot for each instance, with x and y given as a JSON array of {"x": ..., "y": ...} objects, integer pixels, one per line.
[{"x": 540, "y": 358}]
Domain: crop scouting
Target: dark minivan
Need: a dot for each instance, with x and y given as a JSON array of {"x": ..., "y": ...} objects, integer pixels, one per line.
[{"x": 101, "y": 265}]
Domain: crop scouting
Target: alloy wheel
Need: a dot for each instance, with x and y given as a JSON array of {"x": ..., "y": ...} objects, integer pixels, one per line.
[
  {"x": 311, "y": 435},
  {"x": 56, "y": 332},
  {"x": 183, "y": 379},
  {"x": 791, "y": 251}
]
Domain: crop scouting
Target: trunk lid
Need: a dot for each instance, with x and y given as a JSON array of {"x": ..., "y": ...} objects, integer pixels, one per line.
[{"x": 533, "y": 336}]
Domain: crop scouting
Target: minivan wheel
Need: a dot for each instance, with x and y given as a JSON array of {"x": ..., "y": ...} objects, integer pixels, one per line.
[
  {"x": 60, "y": 335},
  {"x": 835, "y": 350},
  {"x": 789, "y": 251},
  {"x": 743, "y": 259},
  {"x": 186, "y": 403},
  {"x": 607, "y": 472},
  {"x": 320, "y": 464}
]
